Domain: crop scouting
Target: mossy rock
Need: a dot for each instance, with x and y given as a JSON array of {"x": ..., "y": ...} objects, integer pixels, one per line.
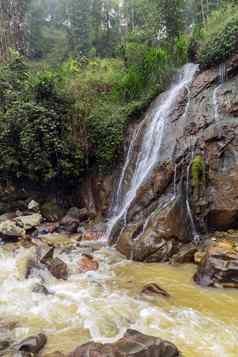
[
  {"x": 198, "y": 169},
  {"x": 51, "y": 211}
]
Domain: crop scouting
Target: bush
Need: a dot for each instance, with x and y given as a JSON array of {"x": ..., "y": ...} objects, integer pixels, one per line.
[
  {"x": 219, "y": 39},
  {"x": 36, "y": 144}
]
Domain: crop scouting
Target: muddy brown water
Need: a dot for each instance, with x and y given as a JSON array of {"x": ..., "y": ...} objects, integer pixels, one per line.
[{"x": 102, "y": 305}]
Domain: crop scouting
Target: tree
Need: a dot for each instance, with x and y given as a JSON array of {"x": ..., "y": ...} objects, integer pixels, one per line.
[
  {"x": 12, "y": 26},
  {"x": 80, "y": 26}
]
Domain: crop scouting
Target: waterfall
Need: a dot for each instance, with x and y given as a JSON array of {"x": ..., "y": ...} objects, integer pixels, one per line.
[
  {"x": 149, "y": 150},
  {"x": 196, "y": 237},
  {"x": 221, "y": 79},
  {"x": 175, "y": 180}
]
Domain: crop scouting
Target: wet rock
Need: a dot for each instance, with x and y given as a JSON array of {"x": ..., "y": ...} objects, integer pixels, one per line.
[
  {"x": 47, "y": 228},
  {"x": 219, "y": 267},
  {"x": 8, "y": 216},
  {"x": 40, "y": 289},
  {"x": 4, "y": 345},
  {"x": 29, "y": 222},
  {"x": 55, "y": 354},
  {"x": 133, "y": 344},
  {"x": 90, "y": 236},
  {"x": 11, "y": 229},
  {"x": 33, "y": 206},
  {"x": 32, "y": 344},
  {"x": 154, "y": 289},
  {"x": 51, "y": 211},
  {"x": 87, "y": 263},
  {"x": 185, "y": 255},
  {"x": 57, "y": 268},
  {"x": 59, "y": 239},
  {"x": 71, "y": 221},
  {"x": 166, "y": 229}
]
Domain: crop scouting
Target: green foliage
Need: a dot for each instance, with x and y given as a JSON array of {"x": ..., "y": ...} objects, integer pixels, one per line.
[
  {"x": 219, "y": 38},
  {"x": 36, "y": 139},
  {"x": 198, "y": 167}
]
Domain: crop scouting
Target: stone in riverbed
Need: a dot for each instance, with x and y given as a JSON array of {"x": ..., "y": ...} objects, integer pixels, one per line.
[
  {"x": 219, "y": 267},
  {"x": 29, "y": 222},
  {"x": 133, "y": 344},
  {"x": 87, "y": 263},
  {"x": 185, "y": 255},
  {"x": 33, "y": 206},
  {"x": 71, "y": 221},
  {"x": 154, "y": 289},
  {"x": 57, "y": 268},
  {"x": 32, "y": 344},
  {"x": 10, "y": 229}
]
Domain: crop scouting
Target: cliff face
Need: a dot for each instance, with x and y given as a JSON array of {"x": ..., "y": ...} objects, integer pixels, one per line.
[{"x": 198, "y": 167}]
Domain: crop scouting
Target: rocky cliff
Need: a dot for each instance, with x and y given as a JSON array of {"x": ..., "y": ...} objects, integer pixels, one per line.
[{"x": 198, "y": 167}]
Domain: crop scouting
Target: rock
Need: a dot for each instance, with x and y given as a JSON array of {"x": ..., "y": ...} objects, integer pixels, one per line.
[
  {"x": 219, "y": 267},
  {"x": 8, "y": 216},
  {"x": 47, "y": 228},
  {"x": 11, "y": 229},
  {"x": 32, "y": 344},
  {"x": 185, "y": 255},
  {"x": 29, "y": 222},
  {"x": 198, "y": 257},
  {"x": 33, "y": 206},
  {"x": 4, "y": 345},
  {"x": 71, "y": 221},
  {"x": 59, "y": 239},
  {"x": 45, "y": 254},
  {"x": 55, "y": 354},
  {"x": 51, "y": 211},
  {"x": 154, "y": 289},
  {"x": 57, "y": 268},
  {"x": 87, "y": 263},
  {"x": 40, "y": 289},
  {"x": 90, "y": 236},
  {"x": 133, "y": 344},
  {"x": 162, "y": 236}
]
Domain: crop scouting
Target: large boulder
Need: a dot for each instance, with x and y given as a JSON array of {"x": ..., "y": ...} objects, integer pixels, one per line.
[
  {"x": 71, "y": 221},
  {"x": 29, "y": 222},
  {"x": 133, "y": 344},
  {"x": 33, "y": 344},
  {"x": 219, "y": 267},
  {"x": 161, "y": 237}
]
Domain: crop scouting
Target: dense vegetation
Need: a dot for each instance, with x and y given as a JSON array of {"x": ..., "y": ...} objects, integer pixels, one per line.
[
  {"x": 79, "y": 70},
  {"x": 219, "y": 37}
]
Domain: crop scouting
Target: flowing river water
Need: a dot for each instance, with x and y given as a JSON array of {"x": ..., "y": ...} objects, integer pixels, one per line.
[{"x": 102, "y": 305}]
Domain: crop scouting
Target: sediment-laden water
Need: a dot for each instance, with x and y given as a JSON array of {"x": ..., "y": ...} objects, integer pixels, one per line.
[{"x": 102, "y": 305}]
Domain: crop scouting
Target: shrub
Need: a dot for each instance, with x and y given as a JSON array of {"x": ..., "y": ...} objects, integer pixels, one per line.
[
  {"x": 219, "y": 39},
  {"x": 35, "y": 143}
]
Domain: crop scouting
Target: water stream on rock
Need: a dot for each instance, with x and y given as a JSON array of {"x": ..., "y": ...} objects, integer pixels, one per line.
[
  {"x": 149, "y": 151},
  {"x": 222, "y": 78}
]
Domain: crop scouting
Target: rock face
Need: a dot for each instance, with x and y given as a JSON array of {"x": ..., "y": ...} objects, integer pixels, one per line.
[
  {"x": 133, "y": 344},
  {"x": 219, "y": 267},
  {"x": 197, "y": 169}
]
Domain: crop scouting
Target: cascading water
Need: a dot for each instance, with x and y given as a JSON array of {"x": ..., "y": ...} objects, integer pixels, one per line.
[
  {"x": 222, "y": 78},
  {"x": 149, "y": 153},
  {"x": 195, "y": 235}
]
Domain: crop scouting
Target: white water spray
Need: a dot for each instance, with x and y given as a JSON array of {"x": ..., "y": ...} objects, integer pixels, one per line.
[{"x": 149, "y": 153}]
